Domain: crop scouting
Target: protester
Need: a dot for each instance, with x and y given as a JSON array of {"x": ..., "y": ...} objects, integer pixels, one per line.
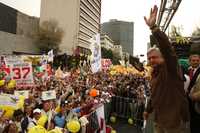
[
  {"x": 194, "y": 60},
  {"x": 194, "y": 92},
  {"x": 66, "y": 97},
  {"x": 11, "y": 128},
  {"x": 17, "y": 119},
  {"x": 168, "y": 100}
]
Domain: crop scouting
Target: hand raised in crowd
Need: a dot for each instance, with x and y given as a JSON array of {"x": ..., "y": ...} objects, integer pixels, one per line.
[{"x": 151, "y": 21}]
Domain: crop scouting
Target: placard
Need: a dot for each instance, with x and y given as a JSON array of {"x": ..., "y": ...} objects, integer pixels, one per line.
[
  {"x": 95, "y": 47},
  {"x": 24, "y": 93},
  {"x": 22, "y": 73},
  {"x": 48, "y": 95}
]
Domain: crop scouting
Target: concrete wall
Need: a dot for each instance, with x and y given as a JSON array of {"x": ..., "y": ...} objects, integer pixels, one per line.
[
  {"x": 8, "y": 19},
  {"x": 13, "y": 21},
  {"x": 12, "y": 42},
  {"x": 66, "y": 13},
  {"x": 27, "y": 25}
]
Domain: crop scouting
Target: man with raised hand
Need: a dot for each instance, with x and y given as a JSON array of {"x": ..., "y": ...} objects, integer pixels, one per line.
[{"x": 168, "y": 100}]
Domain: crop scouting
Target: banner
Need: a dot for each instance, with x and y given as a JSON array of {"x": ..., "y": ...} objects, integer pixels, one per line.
[
  {"x": 22, "y": 73},
  {"x": 24, "y": 93},
  {"x": 101, "y": 118},
  {"x": 95, "y": 47},
  {"x": 12, "y": 60},
  {"x": 8, "y": 100},
  {"x": 50, "y": 56}
]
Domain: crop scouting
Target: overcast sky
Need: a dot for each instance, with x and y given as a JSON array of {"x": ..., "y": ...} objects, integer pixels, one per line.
[{"x": 129, "y": 10}]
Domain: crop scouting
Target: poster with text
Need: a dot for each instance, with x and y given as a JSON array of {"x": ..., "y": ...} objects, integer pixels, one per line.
[{"x": 95, "y": 47}]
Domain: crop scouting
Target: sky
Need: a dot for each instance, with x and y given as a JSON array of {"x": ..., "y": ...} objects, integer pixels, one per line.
[{"x": 187, "y": 15}]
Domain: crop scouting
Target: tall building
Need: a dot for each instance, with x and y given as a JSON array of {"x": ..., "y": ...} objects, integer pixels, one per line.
[
  {"x": 80, "y": 20},
  {"x": 106, "y": 42},
  {"x": 121, "y": 33}
]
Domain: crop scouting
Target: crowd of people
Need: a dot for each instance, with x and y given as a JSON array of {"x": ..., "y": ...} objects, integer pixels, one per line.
[
  {"x": 66, "y": 101},
  {"x": 77, "y": 96}
]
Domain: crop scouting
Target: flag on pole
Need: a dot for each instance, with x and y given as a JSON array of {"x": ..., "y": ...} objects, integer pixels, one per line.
[{"x": 50, "y": 56}]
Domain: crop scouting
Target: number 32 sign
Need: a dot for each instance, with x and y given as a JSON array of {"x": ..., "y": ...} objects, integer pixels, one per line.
[{"x": 22, "y": 73}]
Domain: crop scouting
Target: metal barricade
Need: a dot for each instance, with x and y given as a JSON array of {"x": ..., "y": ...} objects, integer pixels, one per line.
[{"x": 126, "y": 108}]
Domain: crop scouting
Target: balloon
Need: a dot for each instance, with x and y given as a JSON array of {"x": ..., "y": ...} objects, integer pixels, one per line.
[
  {"x": 8, "y": 113},
  {"x": 130, "y": 121},
  {"x": 113, "y": 131},
  {"x": 37, "y": 129},
  {"x": 93, "y": 92},
  {"x": 43, "y": 119},
  {"x": 11, "y": 84},
  {"x": 73, "y": 126},
  {"x": 113, "y": 119},
  {"x": 2, "y": 82},
  {"x": 9, "y": 109},
  {"x": 56, "y": 130}
]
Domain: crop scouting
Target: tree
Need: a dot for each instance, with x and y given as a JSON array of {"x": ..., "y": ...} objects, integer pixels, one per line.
[
  {"x": 49, "y": 36},
  {"x": 109, "y": 54},
  {"x": 116, "y": 58},
  {"x": 175, "y": 31},
  {"x": 176, "y": 35},
  {"x": 196, "y": 32},
  {"x": 106, "y": 53},
  {"x": 196, "y": 36}
]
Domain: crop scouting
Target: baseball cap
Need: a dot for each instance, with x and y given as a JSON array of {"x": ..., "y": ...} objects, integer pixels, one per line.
[{"x": 36, "y": 111}]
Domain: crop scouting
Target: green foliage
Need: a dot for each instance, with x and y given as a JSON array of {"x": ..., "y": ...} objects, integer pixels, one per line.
[
  {"x": 106, "y": 53},
  {"x": 109, "y": 54},
  {"x": 175, "y": 31},
  {"x": 49, "y": 36},
  {"x": 196, "y": 32}
]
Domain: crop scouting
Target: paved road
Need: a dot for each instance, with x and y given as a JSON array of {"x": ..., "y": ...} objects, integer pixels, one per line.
[{"x": 121, "y": 126}]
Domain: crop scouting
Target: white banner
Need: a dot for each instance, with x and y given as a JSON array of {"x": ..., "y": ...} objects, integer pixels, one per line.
[
  {"x": 12, "y": 60},
  {"x": 96, "y": 53},
  {"x": 22, "y": 73},
  {"x": 24, "y": 93},
  {"x": 101, "y": 118},
  {"x": 8, "y": 100}
]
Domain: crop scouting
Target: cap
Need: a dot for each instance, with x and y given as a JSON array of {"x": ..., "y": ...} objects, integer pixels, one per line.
[{"x": 36, "y": 111}]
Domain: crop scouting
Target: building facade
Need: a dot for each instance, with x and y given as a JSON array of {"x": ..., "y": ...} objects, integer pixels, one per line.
[
  {"x": 121, "y": 33},
  {"x": 106, "y": 42},
  {"x": 15, "y": 22},
  {"x": 117, "y": 49},
  {"x": 80, "y": 20},
  {"x": 17, "y": 31}
]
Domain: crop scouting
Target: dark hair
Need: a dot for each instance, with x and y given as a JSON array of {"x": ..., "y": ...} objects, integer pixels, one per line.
[
  {"x": 18, "y": 113},
  {"x": 6, "y": 129}
]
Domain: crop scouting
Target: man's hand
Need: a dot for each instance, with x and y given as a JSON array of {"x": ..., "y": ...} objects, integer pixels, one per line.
[{"x": 151, "y": 21}]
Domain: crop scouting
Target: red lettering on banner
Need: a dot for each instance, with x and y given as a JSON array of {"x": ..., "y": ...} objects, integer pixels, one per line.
[
  {"x": 17, "y": 73},
  {"x": 26, "y": 71}
]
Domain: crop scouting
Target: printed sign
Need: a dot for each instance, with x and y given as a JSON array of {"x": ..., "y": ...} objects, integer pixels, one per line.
[
  {"x": 48, "y": 95},
  {"x": 22, "y": 73},
  {"x": 96, "y": 53},
  {"x": 24, "y": 93}
]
